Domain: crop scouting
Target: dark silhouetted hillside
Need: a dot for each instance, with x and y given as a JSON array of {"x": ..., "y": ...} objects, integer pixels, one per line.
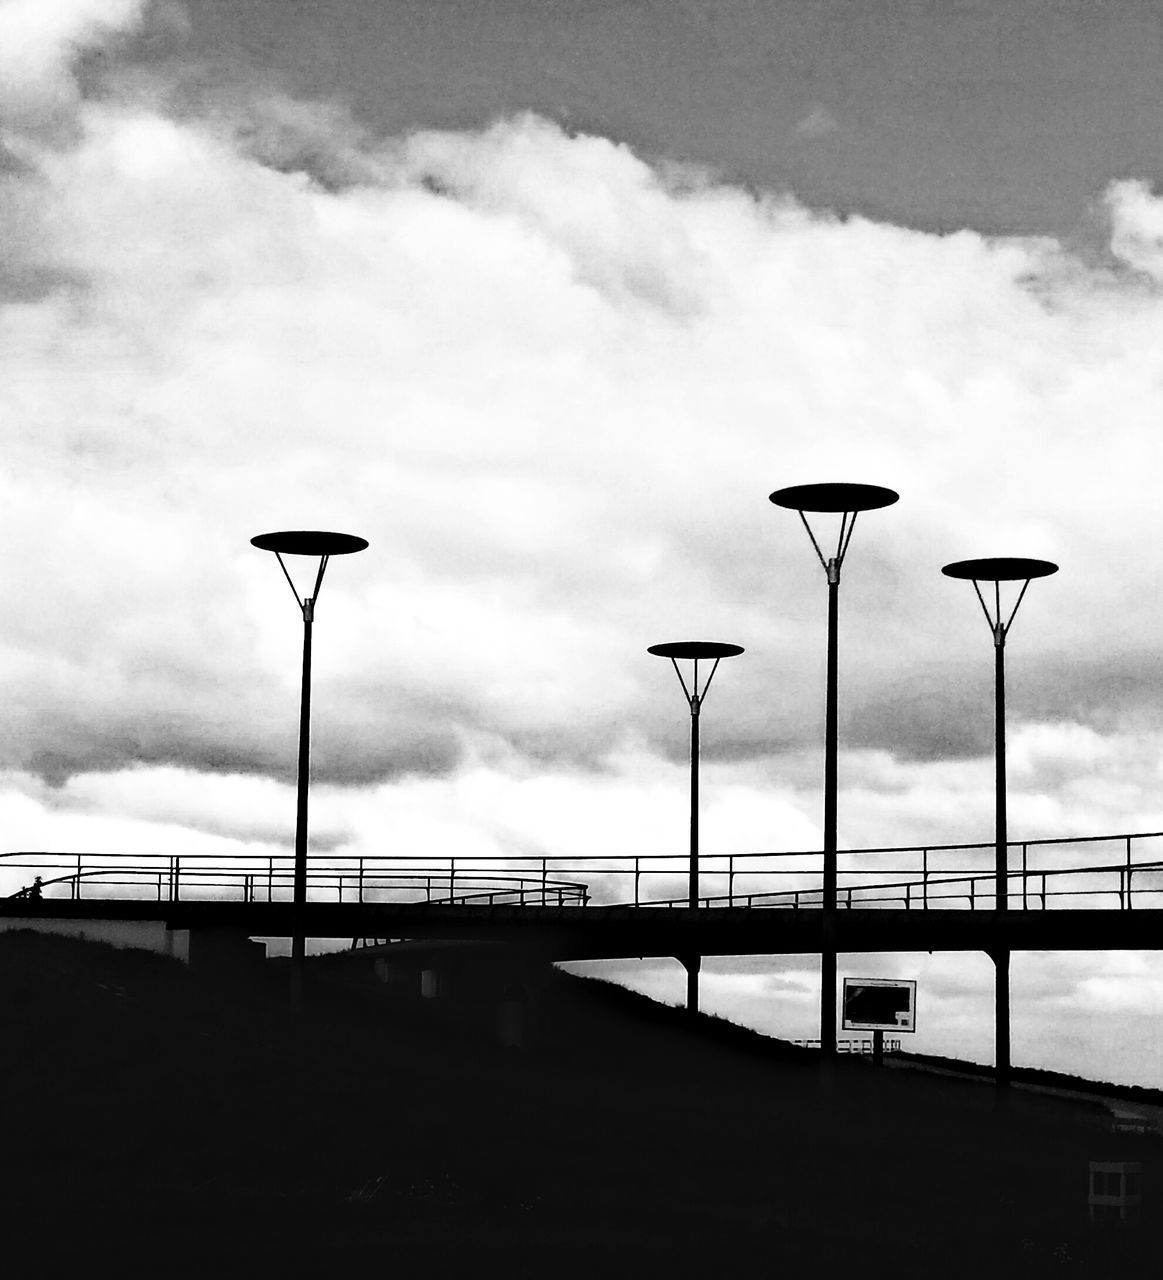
[{"x": 156, "y": 1122}]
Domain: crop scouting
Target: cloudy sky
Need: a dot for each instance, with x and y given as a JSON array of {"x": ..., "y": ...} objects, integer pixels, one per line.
[{"x": 543, "y": 300}]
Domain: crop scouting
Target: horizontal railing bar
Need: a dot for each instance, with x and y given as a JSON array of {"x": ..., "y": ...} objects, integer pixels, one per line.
[
  {"x": 948, "y": 879},
  {"x": 944, "y": 875},
  {"x": 985, "y": 846}
]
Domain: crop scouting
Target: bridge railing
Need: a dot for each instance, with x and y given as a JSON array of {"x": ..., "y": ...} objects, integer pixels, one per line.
[
  {"x": 1121, "y": 871},
  {"x": 192, "y": 878},
  {"x": 1062, "y": 872}
]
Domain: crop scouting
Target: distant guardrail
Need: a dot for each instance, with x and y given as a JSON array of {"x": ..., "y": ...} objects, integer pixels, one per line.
[{"x": 853, "y": 1045}]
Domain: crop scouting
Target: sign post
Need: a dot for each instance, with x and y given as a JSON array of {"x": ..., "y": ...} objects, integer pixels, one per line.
[{"x": 879, "y": 1005}]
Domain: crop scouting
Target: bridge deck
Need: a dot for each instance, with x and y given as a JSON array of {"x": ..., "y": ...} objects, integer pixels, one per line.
[{"x": 610, "y": 932}]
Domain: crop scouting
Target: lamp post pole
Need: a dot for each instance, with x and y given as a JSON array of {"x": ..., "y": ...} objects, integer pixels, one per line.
[
  {"x": 693, "y": 877},
  {"x": 303, "y": 780},
  {"x": 1001, "y": 896},
  {"x": 694, "y": 650},
  {"x": 845, "y": 500},
  {"x": 831, "y": 752},
  {"x": 303, "y": 542},
  {"x": 996, "y": 570}
]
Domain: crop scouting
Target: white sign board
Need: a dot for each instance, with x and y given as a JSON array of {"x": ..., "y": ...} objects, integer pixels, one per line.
[{"x": 879, "y": 1004}]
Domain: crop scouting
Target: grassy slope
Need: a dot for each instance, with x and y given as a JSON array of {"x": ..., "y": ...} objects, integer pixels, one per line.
[{"x": 147, "y": 1112}]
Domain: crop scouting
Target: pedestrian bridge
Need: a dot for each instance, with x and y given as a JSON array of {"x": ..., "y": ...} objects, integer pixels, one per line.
[{"x": 1078, "y": 893}]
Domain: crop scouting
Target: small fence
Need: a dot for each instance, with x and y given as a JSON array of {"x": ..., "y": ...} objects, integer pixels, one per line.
[
  {"x": 853, "y": 1045},
  {"x": 1114, "y": 871}
]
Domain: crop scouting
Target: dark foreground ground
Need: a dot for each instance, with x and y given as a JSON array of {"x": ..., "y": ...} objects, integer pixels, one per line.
[{"x": 159, "y": 1123}]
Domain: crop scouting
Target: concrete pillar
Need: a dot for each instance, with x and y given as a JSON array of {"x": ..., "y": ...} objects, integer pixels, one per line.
[
  {"x": 434, "y": 984},
  {"x": 692, "y": 964},
  {"x": 392, "y": 971},
  {"x": 178, "y": 944},
  {"x": 1001, "y": 1016}
]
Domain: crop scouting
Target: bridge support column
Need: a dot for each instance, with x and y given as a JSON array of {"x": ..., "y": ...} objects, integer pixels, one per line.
[
  {"x": 435, "y": 984},
  {"x": 828, "y": 978},
  {"x": 514, "y": 1012},
  {"x": 692, "y": 964},
  {"x": 391, "y": 973},
  {"x": 224, "y": 951},
  {"x": 1001, "y": 1016}
]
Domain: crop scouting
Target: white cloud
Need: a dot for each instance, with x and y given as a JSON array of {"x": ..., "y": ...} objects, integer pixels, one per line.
[
  {"x": 553, "y": 385},
  {"x": 1136, "y": 215},
  {"x": 40, "y": 41},
  {"x": 458, "y": 357},
  {"x": 548, "y": 454}
]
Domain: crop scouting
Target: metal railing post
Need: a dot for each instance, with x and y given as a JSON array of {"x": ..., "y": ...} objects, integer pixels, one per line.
[
  {"x": 1025, "y": 903},
  {"x": 1129, "y": 903},
  {"x": 731, "y": 880},
  {"x": 637, "y": 877},
  {"x": 544, "y": 874},
  {"x": 925, "y": 877}
]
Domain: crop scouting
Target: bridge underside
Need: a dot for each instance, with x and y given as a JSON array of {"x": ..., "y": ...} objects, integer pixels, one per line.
[{"x": 595, "y": 933}]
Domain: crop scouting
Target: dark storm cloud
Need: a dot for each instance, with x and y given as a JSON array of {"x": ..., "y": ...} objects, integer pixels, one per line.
[
  {"x": 946, "y": 712},
  {"x": 243, "y": 737},
  {"x": 1107, "y": 690},
  {"x": 928, "y": 714},
  {"x": 913, "y": 89},
  {"x": 58, "y": 745}
]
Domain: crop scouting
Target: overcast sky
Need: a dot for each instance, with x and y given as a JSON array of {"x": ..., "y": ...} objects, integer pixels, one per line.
[{"x": 543, "y": 300}]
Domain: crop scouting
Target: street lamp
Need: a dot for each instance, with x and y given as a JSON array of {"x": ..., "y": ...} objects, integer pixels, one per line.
[
  {"x": 845, "y": 500},
  {"x": 999, "y": 569},
  {"x": 693, "y": 650},
  {"x": 304, "y": 542}
]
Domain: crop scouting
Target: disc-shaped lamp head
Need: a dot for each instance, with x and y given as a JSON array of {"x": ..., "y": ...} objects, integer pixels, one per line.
[
  {"x": 1000, "y": 569},
  {"x": 309, "y": 542},
  {"x": 834, "y": 497},
  {"x": 708, "y": 650},
  {"x": 696, "y": 649}
]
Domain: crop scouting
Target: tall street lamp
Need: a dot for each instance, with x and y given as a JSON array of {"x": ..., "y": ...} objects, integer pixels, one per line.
[
  {"x": 996, "y": 570},
  {"x": 845, "y": 500},
  {"x": 708, "y": 651},
  {"x": 304, "y": 542}
]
